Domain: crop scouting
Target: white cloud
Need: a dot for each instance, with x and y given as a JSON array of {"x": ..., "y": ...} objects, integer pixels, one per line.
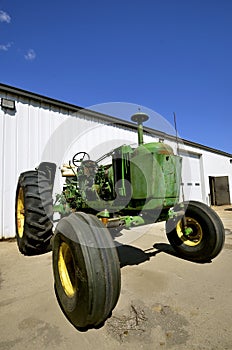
[
  {"x": 4, "y": 17},
  {"x": 5, "y": 47},
  {"x": 30, "y": 55}
]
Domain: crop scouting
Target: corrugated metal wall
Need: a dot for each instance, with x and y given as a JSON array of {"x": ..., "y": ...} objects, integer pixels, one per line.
[
  {"x": 23, "y": 136},
  {"x": 37, "y": 131}
]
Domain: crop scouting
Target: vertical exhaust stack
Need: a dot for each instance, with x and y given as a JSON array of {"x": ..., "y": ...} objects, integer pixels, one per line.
[{"x": 140, "y": 118}]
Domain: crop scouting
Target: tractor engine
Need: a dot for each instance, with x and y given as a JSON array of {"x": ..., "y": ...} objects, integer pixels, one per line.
[{"x": 143, "y": 178}]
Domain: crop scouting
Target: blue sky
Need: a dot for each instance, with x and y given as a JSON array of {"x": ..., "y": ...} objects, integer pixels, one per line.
[{"x": 169, "y": 56}]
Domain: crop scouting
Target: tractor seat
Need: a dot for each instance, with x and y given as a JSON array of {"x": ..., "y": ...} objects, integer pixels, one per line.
[{"x": 68, "y": 170}]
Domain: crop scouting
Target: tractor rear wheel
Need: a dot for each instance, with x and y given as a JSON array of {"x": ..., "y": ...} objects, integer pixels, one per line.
[
  {"x": 86, "y": 270},
  {"x": 33, "y": 213},
  {"x": 203, "y": 237}
]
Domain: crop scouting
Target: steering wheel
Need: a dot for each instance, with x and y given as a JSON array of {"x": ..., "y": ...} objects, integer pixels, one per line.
[{"x": 79, "y": 157}]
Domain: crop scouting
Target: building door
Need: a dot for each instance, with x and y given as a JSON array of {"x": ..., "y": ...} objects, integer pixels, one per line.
[
  {"x": 191, "y": 176},
  {"x": 219, "y": 190}
]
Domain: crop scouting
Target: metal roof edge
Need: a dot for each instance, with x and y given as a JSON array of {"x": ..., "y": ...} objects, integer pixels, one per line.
[
  {"x": 65, "y": 105},
  {"x": 105, "y": 117},
  {"x": 206, "y": 148}
]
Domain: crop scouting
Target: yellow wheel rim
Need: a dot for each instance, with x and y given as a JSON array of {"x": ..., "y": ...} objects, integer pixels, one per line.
[
  {"x": 20, "y": 212},
  {"x": 194, "y": 238},
  {"x": 66, "y": 270}
]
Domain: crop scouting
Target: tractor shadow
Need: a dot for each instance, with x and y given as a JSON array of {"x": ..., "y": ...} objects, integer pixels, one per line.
[{"x": 129, "y": 255}]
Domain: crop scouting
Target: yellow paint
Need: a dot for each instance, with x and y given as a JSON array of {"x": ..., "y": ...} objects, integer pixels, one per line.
[
  {"x": 66, "y": 270},
  {"x": 195, "y": 237},
  {"x": 20, "y": 213}
]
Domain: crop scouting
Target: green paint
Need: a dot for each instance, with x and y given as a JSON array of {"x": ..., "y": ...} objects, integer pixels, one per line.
[{"x": 144, "y": 178}]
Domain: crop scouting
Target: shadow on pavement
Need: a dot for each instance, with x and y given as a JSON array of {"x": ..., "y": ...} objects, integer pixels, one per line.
[
  {"x": 167, "y": 248},
  {"x": 129, "y": 255}
]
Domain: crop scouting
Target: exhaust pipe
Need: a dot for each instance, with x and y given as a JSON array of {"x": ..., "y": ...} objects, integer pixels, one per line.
[{"x": 140, "y": 118}]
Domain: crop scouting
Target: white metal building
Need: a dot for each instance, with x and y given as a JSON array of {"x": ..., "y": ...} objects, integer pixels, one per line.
[{"x": 34, "y": 128}]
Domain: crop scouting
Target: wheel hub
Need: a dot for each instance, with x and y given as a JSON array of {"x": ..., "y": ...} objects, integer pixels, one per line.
[
  {"x": 66, "y": 270},
  {"x": 20, "y": 213},
  {"x": 192, "y": 234}
]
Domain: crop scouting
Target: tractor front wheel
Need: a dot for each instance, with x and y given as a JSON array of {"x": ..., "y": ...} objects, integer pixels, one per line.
[
  {"x": 200, "y": 237},
  {"x": 86, "y": 270}
]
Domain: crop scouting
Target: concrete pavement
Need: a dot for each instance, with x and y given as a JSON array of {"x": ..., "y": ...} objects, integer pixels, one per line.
[{"x": 165, "y": 302}]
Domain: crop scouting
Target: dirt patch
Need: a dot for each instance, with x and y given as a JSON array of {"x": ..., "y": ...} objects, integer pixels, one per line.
[
  {"x": 7, "y": 345},
  {"x": 140, "y": 324},
  {"x": 228, "y": 246},
  {"x": 1, "y": 280},
  {"x": 228, "y": 231},
  {"x": 8, "y": 240},
  {"x": 46, "y": 333}
]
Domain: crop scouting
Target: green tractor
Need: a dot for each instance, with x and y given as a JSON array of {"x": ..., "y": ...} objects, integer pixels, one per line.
[{"x": 138, "y": 186}]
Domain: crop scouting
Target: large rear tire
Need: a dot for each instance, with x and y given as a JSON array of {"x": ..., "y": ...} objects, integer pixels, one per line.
[
  {"x": 206, "y": 233},
  {"x": 86, "y": 270},
  {"x": 33, "y": 213}
]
